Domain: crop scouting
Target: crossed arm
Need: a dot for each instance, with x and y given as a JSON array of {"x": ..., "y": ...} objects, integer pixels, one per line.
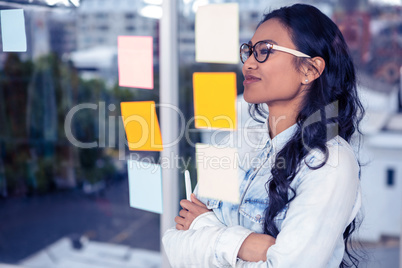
[{"x": 254, "y": 247}]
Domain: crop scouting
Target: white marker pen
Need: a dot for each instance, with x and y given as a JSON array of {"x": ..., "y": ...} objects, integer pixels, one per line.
[{"x": 187, "y": 182}]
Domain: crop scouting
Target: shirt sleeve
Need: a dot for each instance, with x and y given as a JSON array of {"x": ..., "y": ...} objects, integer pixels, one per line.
[
  {"x": 208, "y": 243},
  {"x": 326, "y": 202}
]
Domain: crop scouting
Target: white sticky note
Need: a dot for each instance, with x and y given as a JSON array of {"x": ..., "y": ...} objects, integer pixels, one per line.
[
  {"x": 217, "y": 33},
  {"x": 145, "y": 186},
  {"x": 217, "y": 173},
  {"x": 13, "y": 30}
]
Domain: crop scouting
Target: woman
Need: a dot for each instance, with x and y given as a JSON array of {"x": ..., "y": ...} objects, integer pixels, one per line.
[{"x": 298, "y": 206}]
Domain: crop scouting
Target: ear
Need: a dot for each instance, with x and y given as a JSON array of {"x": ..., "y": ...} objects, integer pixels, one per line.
[{"x": 313, "y": 69}]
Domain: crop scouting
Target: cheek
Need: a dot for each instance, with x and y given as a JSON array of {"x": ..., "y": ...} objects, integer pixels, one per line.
[{"x": 282, "y": 79}]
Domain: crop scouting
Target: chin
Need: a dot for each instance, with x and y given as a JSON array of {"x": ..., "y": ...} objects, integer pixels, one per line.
[
  {"x": 247, "y": 98},
  {"x": 252, "y": 99}
]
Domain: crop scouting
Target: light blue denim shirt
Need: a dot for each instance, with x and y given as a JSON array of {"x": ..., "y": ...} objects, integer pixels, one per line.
[{"x": 311, "y": 226}]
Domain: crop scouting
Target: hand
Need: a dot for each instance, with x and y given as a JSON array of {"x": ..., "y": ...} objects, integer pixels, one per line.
[
  {"x": 190, "y": 211},
  {"x": 255, "y": 247}
]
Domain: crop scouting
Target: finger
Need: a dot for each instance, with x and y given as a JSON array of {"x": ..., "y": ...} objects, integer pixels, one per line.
[
  {"x": 183, "y": 213},
  {"x": 196, "y": 201},
  {"x": 184, "y": 203},
  {"x": 179, "y": 227},
  {"x": 179, "y": 220}
]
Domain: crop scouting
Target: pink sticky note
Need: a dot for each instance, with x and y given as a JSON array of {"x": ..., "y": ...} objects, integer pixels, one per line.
[{"x": 135, "y": 59}]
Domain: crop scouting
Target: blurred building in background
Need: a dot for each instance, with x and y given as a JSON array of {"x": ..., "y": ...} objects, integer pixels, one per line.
[
  {"x": 381, "y": 158},
  {"x": 100, "y": 22}
]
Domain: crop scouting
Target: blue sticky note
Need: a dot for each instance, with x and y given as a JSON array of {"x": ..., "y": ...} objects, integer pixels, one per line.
[
  {"x": 13, "y": 30},
  {"x": 145, "y": 185}
]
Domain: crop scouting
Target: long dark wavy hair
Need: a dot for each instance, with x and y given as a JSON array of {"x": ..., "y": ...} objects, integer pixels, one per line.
[{"x": 332, "y": 98}]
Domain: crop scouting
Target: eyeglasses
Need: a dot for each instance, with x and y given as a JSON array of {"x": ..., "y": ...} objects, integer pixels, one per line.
[{"x": 262, "y": 49}]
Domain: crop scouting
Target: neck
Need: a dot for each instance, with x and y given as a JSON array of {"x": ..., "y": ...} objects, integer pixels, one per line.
[{"x": 280, "y": 119}]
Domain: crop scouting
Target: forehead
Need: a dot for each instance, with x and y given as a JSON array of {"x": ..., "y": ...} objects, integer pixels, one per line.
[{"x": 273, "y": 30}]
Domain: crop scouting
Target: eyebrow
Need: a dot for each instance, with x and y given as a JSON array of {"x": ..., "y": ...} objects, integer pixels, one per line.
[{"x": 266, "y": 40}]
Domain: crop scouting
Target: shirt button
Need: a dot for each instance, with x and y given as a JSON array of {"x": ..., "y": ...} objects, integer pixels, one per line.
[{"x": 258, "y": 217}]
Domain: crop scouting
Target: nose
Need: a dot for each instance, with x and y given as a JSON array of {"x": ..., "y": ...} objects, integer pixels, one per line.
[{"x": 251, "y": 63}]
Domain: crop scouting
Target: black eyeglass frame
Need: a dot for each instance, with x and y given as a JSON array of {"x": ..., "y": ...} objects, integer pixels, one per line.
[{"x": 270, "y": 46}]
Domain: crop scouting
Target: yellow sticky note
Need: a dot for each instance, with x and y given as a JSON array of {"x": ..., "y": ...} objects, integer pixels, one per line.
[
  {"x": 135, "y": 61},
  {"x": 217, "y": 33},
  {"x": 217, "y": 173},
  {"x": 215, "y": 100},
  {"x": 142, "y": 126}
]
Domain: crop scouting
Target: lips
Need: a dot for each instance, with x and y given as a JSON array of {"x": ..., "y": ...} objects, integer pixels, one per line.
[{"x": 249, "y": 79}]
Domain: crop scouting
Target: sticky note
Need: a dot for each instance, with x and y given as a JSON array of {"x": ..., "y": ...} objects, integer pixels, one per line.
[
  {"x": 145, "y": 186},
  {"x": 13, "y": 30},
  {"x": 217, "y": 33},
  {"x": 215, "y": 100},
  {"x": 135, "y": 61},
  {"x": 141, "y": 126},
  {"x": 217, "y": 172}
]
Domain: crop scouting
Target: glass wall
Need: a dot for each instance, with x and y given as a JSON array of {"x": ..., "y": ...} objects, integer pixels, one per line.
[
  {"x": 62, "y": 203},
  {"x": 63, "y": 172},
  {"x": 372, "y": 30}
]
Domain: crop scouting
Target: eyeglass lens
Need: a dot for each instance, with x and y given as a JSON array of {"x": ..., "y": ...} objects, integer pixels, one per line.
[
  {"x": 261, "y": 51},
  {"x": 245, "y": 52}
]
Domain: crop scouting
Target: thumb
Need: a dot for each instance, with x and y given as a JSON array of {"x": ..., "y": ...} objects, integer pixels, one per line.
[{"x": 196, "y": 201}]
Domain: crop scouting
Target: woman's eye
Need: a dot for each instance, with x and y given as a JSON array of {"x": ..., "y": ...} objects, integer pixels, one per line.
[{"x": 264, "y": 51}]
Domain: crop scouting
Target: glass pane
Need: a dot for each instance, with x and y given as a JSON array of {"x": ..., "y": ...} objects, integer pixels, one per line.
[
  {"x": 372, "y": 30},
  {"x": 64, "y": 197}
]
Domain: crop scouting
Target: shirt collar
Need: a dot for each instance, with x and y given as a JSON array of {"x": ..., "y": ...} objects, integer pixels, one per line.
[{"x": 279, "y": 141}]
